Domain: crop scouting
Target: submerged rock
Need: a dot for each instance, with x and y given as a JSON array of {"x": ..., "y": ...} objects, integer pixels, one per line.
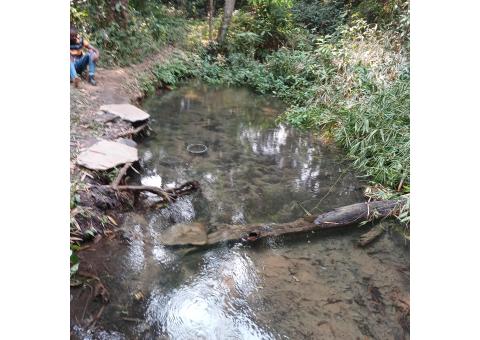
[{"x": 185, "y": 234}]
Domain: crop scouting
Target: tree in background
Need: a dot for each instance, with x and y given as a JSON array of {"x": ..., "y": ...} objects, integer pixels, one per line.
[
  {"x": 211, "y": 8},
  {"x": 227, "y": 17}
]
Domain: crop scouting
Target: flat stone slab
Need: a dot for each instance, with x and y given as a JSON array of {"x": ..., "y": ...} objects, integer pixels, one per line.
[
  {"x": 127, "y": 112},
  {"x": 105, "y": 155}
]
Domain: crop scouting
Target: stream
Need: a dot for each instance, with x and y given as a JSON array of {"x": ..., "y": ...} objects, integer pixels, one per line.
[{"x": 306, "y": 286}]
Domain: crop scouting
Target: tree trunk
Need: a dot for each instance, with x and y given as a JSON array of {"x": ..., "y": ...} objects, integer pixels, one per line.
[
  {"x": 340, "y": 217},
  {"x": 227, "y": 17},
  {"x": 210, "y": 20}
]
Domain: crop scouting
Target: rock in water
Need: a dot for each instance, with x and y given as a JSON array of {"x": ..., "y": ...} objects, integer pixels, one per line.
[
  {"x": 185, "y": 234},
  {"x": 106, "y": 154},
  {"x": 127, "y": 112}
]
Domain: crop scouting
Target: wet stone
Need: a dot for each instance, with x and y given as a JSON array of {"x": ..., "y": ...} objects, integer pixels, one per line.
[{"x": 185, "y": 234}]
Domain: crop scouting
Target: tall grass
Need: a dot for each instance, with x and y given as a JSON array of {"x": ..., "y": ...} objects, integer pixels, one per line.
[{"x": 364, "y": 103}]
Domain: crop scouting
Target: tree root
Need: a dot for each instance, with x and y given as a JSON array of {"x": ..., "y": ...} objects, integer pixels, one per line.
[
  {"x": 131, "y": 132},
  {"x": 121, "y": 174},
  {"x": 167, "y": 195}
]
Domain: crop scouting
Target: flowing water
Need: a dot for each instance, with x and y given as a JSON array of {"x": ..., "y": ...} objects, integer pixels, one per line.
[{"x": 306, "y": 286}]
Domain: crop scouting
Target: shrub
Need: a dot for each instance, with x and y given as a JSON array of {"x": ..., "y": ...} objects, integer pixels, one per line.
[
  {"x": 319, "y": 16},
  {"x": 121, "y": 44}
]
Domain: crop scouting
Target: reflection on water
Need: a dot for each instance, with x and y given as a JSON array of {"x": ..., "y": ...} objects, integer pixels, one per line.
[
  {"x": 254, "y": 169},
  {"x": 308, "y": 286}
]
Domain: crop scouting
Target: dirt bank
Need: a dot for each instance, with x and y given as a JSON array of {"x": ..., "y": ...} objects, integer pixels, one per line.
[{"x": 114, "y": 86}]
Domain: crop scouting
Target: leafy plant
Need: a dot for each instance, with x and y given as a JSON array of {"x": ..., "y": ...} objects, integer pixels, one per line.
[
  {"x": 319, "y": 16},
  {"x": 74, "y": 262},
  {"x": 123, "y": 43}
]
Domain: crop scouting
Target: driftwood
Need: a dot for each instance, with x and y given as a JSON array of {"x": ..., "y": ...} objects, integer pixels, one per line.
[{"x": 340, "y": 217}]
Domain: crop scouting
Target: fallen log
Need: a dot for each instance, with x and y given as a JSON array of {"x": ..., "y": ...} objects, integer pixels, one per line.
[{"x": 340, "y": 217}]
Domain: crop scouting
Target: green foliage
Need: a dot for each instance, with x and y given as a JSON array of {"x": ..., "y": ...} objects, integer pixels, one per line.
[
  {"x": 319, "y": 16},
  {"x": 179, "y": 67},
  {"x": 262, "y": 26},
  {"x": 354, "y": 85},
  {"x": 170, "y": 73},
  {"x": 374, "y": 132},
  {"x": 388, "y": 12},
  {"x": 74, "y": 262},
  {"x": 273, "y": 19},
  {"x": 245, "y": 42},
  {"x": 120, "y": 42},
  {"x": 75, "y": 188}
]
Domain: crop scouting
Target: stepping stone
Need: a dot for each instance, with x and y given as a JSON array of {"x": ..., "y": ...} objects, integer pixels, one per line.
[
  {"x": 127, "y": 112},
  {"x": 105, "y": 155}
]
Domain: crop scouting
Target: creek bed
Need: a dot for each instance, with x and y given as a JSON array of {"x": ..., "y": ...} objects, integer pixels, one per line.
[{"x": 306, "y": 286}]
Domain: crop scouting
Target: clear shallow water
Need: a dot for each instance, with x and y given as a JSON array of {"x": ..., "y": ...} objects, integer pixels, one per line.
[{"x": 309, "y": 286}]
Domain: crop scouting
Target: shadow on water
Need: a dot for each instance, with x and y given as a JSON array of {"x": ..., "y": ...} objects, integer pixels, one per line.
[{"x": 306, "y": 286}]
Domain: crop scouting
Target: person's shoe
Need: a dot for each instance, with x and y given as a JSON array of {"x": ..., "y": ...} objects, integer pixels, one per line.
[
  {"x": 76, "y": 82},
  {"x": 91, "y": 80}
]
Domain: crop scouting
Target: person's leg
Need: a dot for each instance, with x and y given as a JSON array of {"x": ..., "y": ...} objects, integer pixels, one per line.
[
  {"x": 91, "y": 63},
  {"x": 73, "y": 72},
  {"x": 92, "y": 60},
  {"x": 73, "y": 75},
  {"x": 81, "y": 63}
]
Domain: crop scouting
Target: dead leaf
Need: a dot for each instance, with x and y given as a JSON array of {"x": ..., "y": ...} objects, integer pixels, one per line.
[{"x": 112, "y": 220}]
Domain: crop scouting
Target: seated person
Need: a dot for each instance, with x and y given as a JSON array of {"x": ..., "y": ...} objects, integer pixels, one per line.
[{"x": 79, "y": 60}]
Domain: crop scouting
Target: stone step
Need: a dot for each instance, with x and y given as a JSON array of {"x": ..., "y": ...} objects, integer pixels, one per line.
[
  {"x": 106, "y": 154},
  {"x": 126, "y": 112}
]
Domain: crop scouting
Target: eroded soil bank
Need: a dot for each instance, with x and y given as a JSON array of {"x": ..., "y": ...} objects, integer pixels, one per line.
[{"x": 306, "y": 286}]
